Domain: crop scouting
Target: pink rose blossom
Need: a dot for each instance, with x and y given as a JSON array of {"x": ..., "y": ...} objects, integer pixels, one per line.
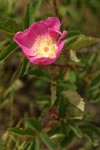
[{"x": 39, "y": 42}]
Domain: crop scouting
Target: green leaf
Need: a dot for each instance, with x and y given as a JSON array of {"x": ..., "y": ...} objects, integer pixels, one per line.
[
  {"x": 31, "y": 13},
  {"x": 75, "y": 113},
  {"x": 47, "y": 141},
  {"x": 40, "y": 74},
  {"x": 43, "y": 100},
  {"x": 75, "y": 99},
  {"x": 67, "y": 140},
  {"x": 9, "y": 26},
  {"x": 75, "y": 109},
  {"x": 71, "y": 41},
  {"x": 91, "y": 128},
  {"x": 90, "y": 133},
  {"x": 73, "y": 56},
  {"x": 63, "y": 107},
  {"x": 34, "y": 145},
  {"x": 64, "y": 128},
  {"x": 34, "y": 124},
  {"x": 66, "y": 85},
  {"x": 92, "y": 139},
  {"x": 82, "y": 42},
  {"x": 57, "y": 136},
  {"x": 72, "y": 34},
  {"x": 72, "y": 37},
  {"x": 26, "y": 146},
  {"x": 75, "y": 129},
  {"x": 95, "y": 82},
  {"x": 93, "y": 88},
  {"x": 71, "y": 76},
  {"x": 21, "y": 131},
  {"x": 7, "y": 51},
  {"x": 25, "y": 67}
]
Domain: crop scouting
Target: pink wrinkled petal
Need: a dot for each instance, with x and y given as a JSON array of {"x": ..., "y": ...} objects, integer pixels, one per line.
[
  {"x": 39, "y": 28},
  {"x": 54, "y": 33},
  {"x": 52, "y": 22},
  {"x": 34, "y": 60},
  {"x": 41, "y": 61},
  {"x": 46, "y": 62},
  {"x": 25, "y": 38}
]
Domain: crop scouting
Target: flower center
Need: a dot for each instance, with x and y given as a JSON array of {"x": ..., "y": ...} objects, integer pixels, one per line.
[{"x": 45, "y": 47}]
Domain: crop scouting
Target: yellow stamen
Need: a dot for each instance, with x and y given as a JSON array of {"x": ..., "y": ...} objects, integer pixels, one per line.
[{"x": 45, "y": 47}]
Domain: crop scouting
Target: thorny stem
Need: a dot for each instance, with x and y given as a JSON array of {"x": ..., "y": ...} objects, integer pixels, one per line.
[
  {"x": 88, "y": 76},
  {"x": 79, "y": 68},
  {"x": 72, "y": 66},
  {"x": 56, "y": 9},
  {"x": 54, "y": 73}
]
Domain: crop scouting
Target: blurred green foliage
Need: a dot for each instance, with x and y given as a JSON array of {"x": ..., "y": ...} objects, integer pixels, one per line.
[{"x": 50, "y": 107}]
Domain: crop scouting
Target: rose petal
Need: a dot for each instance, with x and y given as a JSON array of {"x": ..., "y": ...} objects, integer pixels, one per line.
[
  {"x": 52, "y": 22},
  {"x": 39, "y": 28},
  {"x": 62, "y": 36},
  {"x": 46, "y": 61},
  {"x": 54, "y": 33},
  {"x": 61, "y": 45}
]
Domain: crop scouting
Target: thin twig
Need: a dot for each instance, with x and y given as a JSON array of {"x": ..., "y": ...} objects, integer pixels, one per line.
[
  {"x": 72, "y": 66},
  {"x": 56, "y": 9},
  {"x": 88, "y": 76}
]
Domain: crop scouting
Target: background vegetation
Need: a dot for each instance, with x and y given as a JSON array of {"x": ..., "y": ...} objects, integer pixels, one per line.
[{"x": 43, "y": 107}]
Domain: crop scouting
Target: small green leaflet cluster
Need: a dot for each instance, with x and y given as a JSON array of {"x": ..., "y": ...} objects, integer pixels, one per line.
[
  {"x": 34, "y": 131},
  {"x": 36, "y": 134}
]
